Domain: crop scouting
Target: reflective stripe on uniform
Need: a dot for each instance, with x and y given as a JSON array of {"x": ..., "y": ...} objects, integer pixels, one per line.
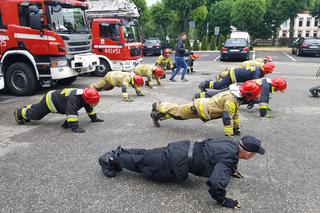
[
  {"x": 237, "y": 120},
  {"x": 203, "y": 109},
  {"x": 49, "y": 102},
  {"x": 233, "y": 76},
  {"x": 72, "y": 118},
  {"x": 24, "y": 111},
  {"x": 231, "y": 106},
  {"x": 112, "y": 80},
  {"x": 202, "y": 94},
  {"x": 228, "y": 130},
  {"x": 263, "y": 106},
  {"x": 91, "y": 113},
  {"x": 211, "y": 85},
  {"x": 66, "y": 91},
  {"x": 252, "y": 69}
]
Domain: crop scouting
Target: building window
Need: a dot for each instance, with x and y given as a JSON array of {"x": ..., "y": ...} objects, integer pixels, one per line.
[
  {"x": 284, "y": 33},
  {"x": 300, "y": 22},
  {"x": 315, "y": 34},
  {"x": 316, "y": 23},
  {"x": 299, "y": 33},
  {"x": 308, "y": 22},
  {"x": 307, "y": 33}
]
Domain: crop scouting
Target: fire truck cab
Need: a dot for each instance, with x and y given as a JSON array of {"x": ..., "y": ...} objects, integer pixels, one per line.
[
  {"x": 116, "y": 34},
  {"x": 43, "y": 41}
]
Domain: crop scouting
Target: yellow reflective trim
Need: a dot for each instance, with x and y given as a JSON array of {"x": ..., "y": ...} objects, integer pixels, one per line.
[
  {"x": 263, "y": 107},
  {"x": 273, "y": 90},
  {"x": 112, "y": 81},
  {"x": 203, "y": 110},
  {"x": 91, "y": 113},
  {"x": 252, "y": 69},
  {"x": 237, "y": 120},
  {"x": 49, "y": 102},
  {"x": 72, "y": 119},
  {"x": 23, "y": 113},
  {"x": 211, "y": 85},
  {"x": 202, "y": 94},
  {"x": 231, "y": 106},
  {"x": 233, "y": 76},
  {"x": 228, "y": 128}
]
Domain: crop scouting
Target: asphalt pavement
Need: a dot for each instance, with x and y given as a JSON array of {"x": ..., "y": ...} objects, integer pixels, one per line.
[{"x": 44, "y": 168}]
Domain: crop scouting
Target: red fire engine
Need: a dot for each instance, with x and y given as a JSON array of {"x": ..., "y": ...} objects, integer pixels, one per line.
[
  {"x": 116, "y": 34},
  {"x": 43, "y": 41}
]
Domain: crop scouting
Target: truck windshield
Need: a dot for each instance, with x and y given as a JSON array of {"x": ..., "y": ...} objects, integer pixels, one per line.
[
  {"x": 69, "y": 20},
  {"x": 131, "y": 33}
]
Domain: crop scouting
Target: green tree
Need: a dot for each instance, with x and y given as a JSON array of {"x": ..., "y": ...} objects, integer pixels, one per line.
[
  {"x": 212, "y": 45},
  {"x": 204, "y": 45},
  {"x": 315, "y": 9},
  {"x": 248, "y": 15},
  {"x": 199, "y": 15},
  {"x": 188, "y": 45},
  {"x": 195, "y": 45},
  {"x": 222, "y": 39},
  {"x": 183, "y": 8},
  {"x": 144, "y": 11},
  {"x": 219, "y": 16}
]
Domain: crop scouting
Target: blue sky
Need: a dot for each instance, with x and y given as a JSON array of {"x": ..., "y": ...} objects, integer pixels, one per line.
[{"x": 150, "y": 2}]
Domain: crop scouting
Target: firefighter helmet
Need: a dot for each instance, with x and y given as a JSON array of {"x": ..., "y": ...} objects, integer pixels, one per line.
[
  {"x": 167, "y": 52},
  {"x": 91, "y": 96},
  {"x": 268, "y": 59},
  {"x": 279, "y": 84},
  {"x": 158, "y": 72},
  {"x": 137, "y": 80},
  {"x": 250, "y": 90},
  {"x": 194, "y": 56},
  {"x": 268, "y": 68}
]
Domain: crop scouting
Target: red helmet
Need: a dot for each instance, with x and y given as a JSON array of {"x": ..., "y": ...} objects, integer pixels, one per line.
[
  {"x": 137, "y": 80},
  {"x": 268, "y": 68},
  {"x": 158, "y": 72},
  {"x": 268, "y": 59},
  {"x": 250, "y": 90},
  {"x": 167, "y": 52},
  {"x": 194, "y": 56},
  {"x": 90, "y": 96},
  {"x": 278, "y": 84}
]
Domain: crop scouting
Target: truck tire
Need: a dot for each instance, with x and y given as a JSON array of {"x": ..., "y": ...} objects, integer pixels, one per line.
[
  {"x": 66, "y": 81},
  {"x": 21, "y": 79},
  {"x": 102, "y": 69}
]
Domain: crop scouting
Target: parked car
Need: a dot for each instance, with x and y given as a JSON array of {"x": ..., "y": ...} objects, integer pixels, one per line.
[
  {"x": 235, "y": 48},
  {"x": 152, "y": 46},
  {"x": 239, "y": 34},
  {"x": 303, "y": 46}
]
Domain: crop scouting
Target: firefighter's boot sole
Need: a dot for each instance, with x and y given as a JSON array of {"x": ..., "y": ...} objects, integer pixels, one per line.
[
  {"x": 106, "y": 166},
  {"x": 155, "y": 119}
]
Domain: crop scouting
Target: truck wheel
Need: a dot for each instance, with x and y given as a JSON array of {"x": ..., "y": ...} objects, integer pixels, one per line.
[
  {"x": 66, "y": 81},
  {"x": 21, "y": 79},
  {"x": 102, "y": 69}
]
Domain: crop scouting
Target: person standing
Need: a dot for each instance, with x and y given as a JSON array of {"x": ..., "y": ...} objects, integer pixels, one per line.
[{"x": 179, "y": 58}]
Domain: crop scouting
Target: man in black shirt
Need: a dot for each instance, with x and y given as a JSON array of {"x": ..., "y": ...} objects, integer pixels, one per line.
[
  {"x": 179, "y": 58},
  {"x": 216, "y": 159}
]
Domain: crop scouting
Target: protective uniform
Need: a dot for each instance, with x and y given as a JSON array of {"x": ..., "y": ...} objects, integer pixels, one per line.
[
  {"x": 148, "y": 71},
  {"x": 190, "y": 59},
  {"x": 267, "y": 86},
  {"x": 236, "y": 75},
  {"x": 252, "y": 63},
  {"x": 118, "y": 79},
  {"x": 67, "y": 101},
  {"x": 164, "y": 62},
  {"x": 216, "y": 159}
]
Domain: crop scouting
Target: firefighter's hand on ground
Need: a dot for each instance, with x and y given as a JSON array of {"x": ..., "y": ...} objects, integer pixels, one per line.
[
  {"x": 140, "y": 94},
  {"x": 78, "y": 130},
  {"x": 97, "y": 120},
  {"x": 237, "y": 174},
  {"x": 231, "y": 203},
  {"x": 236, "y": 131},
  {"x": 65, "y": 124},
  {"x": 202, "y": 87}
]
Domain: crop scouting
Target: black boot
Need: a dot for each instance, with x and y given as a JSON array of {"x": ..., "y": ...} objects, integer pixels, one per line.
[
  {"x": 154, "y": 107},
  {"x": 314, "y": 92},
  {"x": 155, "y": 118},
  {"x": 18, "y": 116}
]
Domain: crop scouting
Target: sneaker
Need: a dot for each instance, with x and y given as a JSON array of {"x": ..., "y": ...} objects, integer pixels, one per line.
[
  {"x": 184, "y": 80},
  {"x": 18, "y": 117},
  {"x": 155, "y": 118},
  {"x": 105, "y": 163},
  {"x": 172, "y": 80}
]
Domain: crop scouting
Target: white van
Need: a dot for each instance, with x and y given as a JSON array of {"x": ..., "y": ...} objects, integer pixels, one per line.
[{"x": 239, "y": 34}]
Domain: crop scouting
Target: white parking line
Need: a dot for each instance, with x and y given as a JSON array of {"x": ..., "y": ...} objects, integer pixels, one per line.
[
  {"x": 292, "y": 58},
  {"x": 216, "y": 58},
  {"x": 254, "y": 55}
]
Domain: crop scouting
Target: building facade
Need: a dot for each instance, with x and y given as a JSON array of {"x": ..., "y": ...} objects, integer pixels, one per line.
[{"x": 304, "y": 26}]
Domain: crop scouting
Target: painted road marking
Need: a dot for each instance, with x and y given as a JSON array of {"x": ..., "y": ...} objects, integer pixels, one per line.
[
  {"x": 254, "y": 55},
  {"x": 293, "y": 59},
  {"x": 216, "y": 58}
]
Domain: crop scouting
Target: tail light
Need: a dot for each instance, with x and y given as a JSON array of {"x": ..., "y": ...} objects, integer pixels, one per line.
[
  {"x": 245, "y": 50},
  {"x": 157, "y": 46},
  {"x": 61, "y": 48},
  {"x": 304, "y": 46},
  {"x": 224, "y": 50}
]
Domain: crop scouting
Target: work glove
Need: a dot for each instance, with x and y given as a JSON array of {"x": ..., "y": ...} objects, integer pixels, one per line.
[
  {"x": 95, "y": 119},
  {"x": 236, "y": 131},
  {"x": 65, "y": 124},
  {"x": 141, "y": 94},
  {"x": 237, "y": 174},
  {"x": 250, "y": 105},
  {"x": 77, "y": 130},
  {"x": 202, "y": 87},
  {"x": 231, "y": 203}
]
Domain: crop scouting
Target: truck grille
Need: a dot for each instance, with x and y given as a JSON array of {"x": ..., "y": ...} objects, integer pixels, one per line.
[
  {"x": 135, "y": 52},
  {"x": 79, "y": 43}
]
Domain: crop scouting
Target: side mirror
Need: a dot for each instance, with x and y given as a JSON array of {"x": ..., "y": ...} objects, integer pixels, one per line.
[{"x": 35, "y": 21}]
